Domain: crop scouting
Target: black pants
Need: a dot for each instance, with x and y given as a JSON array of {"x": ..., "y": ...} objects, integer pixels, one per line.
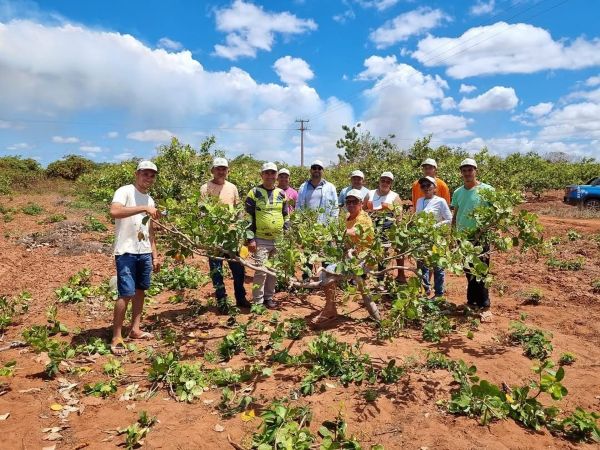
[
  {"x": 477, "y": 293},
  {"x": 238, "y": 273}
]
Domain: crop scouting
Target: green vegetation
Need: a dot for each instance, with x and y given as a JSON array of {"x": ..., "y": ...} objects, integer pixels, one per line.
[
  {"x": 566, "y": 359},
  {"x": 561, "y": 264},
  {"x": 18, "y": 173},
  {"x": 101, "y": 389},
  {"x": 71, "y": 167},
  {"x": 77, "y": 289},
  {"x": 93, "y": 224},
  {"x": 32, "y": 209},
  {"x": 135, "y": 433},
  {"x": 536, "y": 343},
  {"x": 11, "y": 307}
]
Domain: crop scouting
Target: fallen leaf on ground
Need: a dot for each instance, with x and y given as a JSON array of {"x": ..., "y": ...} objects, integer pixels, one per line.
[
  {"x": 53, "y": 447},
  {"x": 27, "y": 391},
  {"x": 4, "y": 416},
  {"x": 219, "y": 428},
  {"x": 247, "y": 416},
  {"x": 55, "y": 407},
  {"x": 53, "y": 437}
]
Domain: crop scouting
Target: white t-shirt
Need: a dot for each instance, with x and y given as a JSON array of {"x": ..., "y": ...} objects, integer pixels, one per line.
[
  {"x": 131, "y": 236},
  {"x": 436, "y": 206},
  {"x": 378, "y": 200}
]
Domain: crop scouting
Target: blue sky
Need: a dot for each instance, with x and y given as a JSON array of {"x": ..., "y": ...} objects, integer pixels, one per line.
[{"x": 114, "y": 79}]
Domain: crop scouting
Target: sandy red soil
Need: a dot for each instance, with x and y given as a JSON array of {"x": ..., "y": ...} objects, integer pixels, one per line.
[{"x": 405, "y": 415}]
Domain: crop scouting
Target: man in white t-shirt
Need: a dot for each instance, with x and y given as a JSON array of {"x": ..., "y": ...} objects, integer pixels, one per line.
[{"x": 134, "y": 250}]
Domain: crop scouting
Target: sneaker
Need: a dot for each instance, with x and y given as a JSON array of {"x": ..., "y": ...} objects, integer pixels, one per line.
[
  {"x": 270, "y": 304},
  {"x": 243, "y": 303}
]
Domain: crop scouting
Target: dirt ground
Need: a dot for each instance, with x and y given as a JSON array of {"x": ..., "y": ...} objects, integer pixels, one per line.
[{"x": 404, "y": 415}]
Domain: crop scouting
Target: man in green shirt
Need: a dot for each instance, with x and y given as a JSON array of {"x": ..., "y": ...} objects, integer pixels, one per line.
[
  {"x": 464, "y": 200},
  {"x": 268, "y": 210}
]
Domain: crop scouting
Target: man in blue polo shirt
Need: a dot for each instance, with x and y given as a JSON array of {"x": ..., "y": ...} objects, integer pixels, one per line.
[
  {"x": 464, "y": 200},
  {"x": 317, "y": 193}
]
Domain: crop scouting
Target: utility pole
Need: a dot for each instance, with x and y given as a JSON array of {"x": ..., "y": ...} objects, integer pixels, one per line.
[{"x": 302, "y": 129}]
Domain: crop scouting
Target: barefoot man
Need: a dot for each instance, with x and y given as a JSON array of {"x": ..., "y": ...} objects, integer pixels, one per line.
[{"x": 134, "y": 250}]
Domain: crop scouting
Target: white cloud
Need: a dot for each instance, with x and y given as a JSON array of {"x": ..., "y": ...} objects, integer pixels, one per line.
[
  {"x": 593, "y": 81},
  {"x": 124, "y": 156},
  {"x": 466, "y": 88},
  {"x": 345, "y": 16},
  {"x": 90, "y": 149},
  {"x": 406, "y": 25},
  {"x": 483, "y": 7},
  {"x": 112, "y": 134},
  {"x": 169, "y": 44},
  {"x": 541, "y": 109},
  {"x": 497, "y": 98},
  {"x": 379, "y": 5},
  {"x": 19, "y": 146},
  {"x": 577, "y": 120},
  {"x": 293, "y": 71},
  {"x": 249, "y": 28},
  {"x": 507, "y": 145},
  {"x": 399, "y": 94},
  {"x": 507, "y": 48},
  {"x": 65, "y": 140},
  {"x": 446, "y": 126},
  {"x": 5, "y": 125},
  {"x": 151, "y": 136},
  {"x": 65, "y": 69},
  {"x": 448, "y": 103}
]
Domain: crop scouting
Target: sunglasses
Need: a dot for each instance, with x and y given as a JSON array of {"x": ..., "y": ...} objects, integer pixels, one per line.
[
  {"x": 352, "y": 202},
  {"x": 426, "y": 186},
  {"x": 316, "y": 168}
]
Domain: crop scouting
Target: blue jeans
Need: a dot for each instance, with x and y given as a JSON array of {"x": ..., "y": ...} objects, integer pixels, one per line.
[
  {"x": 438, "y": 280},
  {"x": 238, "y": 273},
  {"x": 133, "y": 272}
]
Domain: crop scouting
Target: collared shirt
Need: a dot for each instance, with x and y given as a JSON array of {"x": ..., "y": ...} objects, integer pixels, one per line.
[{"x": 323, "y": 196}]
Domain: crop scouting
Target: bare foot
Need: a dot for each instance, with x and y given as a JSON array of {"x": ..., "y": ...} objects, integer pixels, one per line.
[
  {"x": 117, "y": 347},
  {"x": 140, "y": 335},
  {"x": 323, "y": 317}
]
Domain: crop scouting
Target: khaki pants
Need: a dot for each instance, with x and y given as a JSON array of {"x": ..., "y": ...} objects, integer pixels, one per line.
[{"x": 263, "y": 285}]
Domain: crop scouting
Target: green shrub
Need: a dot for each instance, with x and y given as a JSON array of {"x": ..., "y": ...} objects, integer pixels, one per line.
[
  {"x": 71, "y": 167},
  {"x": 16, "y": 172},
  {"x": 32, "y": 209}
]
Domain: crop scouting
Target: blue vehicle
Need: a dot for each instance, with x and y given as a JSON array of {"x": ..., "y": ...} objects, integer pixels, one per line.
[{"x": 587, "y": 195}]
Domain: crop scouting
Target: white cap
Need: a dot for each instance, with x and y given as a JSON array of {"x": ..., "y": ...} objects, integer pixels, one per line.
[
  {"x": 357, "y": 173},
  {"x": 268, "y": 166},
  {"x": 287, "y": 172},
  {"x": 143, "y": 165},
  {"x": 220, "y": 162},
  {"x": 317, "y": 162},
  {"x": 468, "y": 162},
  {"x": 430, "y": 179},
  {"x": 355, "y": 193},
  {"x": 389, "y": 175},
  {"x": 429, "y": 162}
]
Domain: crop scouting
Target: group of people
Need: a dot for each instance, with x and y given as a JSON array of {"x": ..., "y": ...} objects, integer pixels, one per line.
[{"x": 269, "y": 206}]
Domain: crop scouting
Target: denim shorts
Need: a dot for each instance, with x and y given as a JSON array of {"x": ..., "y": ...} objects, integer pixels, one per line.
[{"x": 133, "y": 272}]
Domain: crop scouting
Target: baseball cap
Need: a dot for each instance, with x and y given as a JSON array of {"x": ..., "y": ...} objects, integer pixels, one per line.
[
  {"x": 142, "y": 165},
  {"x": 468, "y": 162},
  {"x": 220, "y": 162},
  {"x": 357, "y": 173},
  {"x": 429, "y": 162},
  {"x": 268, "y": 166},
  {"x": 389, "y": 175},
  {"x": 355, "y": 193},
  {"x": 284, "y": 170},
  {"x": 317, "y": 162},
  {"x": 427, "y": 179}
]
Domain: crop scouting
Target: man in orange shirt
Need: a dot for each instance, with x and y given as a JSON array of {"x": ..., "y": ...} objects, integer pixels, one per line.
[{"x": 429, "y": 168}]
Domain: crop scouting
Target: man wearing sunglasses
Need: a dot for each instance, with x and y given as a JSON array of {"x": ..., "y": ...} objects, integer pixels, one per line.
[
  {"x": 318, "y": 194},
  {"x": 464, "y": 200}
]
